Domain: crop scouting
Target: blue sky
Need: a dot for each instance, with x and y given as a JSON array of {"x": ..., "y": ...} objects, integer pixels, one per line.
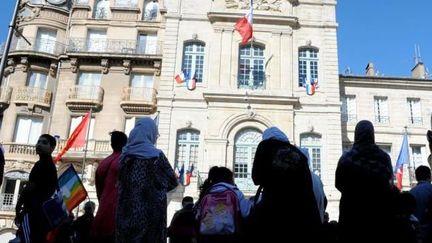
[{"x": 380, "y": 31}]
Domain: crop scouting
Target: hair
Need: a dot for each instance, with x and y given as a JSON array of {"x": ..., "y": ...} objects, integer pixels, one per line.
[
  {"x": 52, "y": 141},
  {"x": 423, "y": 173},
  {"x": 216, "y": 175},
  {"x": 118, "y": 140},
  {"x": 187, "y": 200},
  {"x": 89, "y": 207}
]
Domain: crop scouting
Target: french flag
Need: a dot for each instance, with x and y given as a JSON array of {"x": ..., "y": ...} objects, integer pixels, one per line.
[
  {"x": 189, "y": 175},
  {"x": 311, "y": 86},
  {"x": 245, "y": 25},
  {"x": 403, "y": 158},
  {"x": 182, "y": 77},
  {"x": 191, "y": 83}
]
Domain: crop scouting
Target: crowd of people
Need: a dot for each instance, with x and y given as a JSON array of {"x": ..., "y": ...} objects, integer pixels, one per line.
[{"x": 289, "y": 205}]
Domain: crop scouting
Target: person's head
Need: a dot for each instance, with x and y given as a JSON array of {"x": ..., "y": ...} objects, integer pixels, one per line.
[
  {"x": 187, "y": 201},
  {"x": 89, "y": 207},
  {"x": 221, "y": 174},
  {"x": 145, "y": 130},
  {"x": 118, "y": 140},
  {"x": 364, "y": 133},
  {"x": 45, "y": 144},
  {"x": 275, "y": 134},
  {"x": 423, "y": 173}
]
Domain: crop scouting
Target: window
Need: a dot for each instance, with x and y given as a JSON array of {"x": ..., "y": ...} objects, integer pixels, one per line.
[
  {"x": 141, "y": 87},
  {"x": 312, "y": 142},
  {"x": 187, "y": 149},
  {"x": 151, "y": 10},
  {"x": 37, "y": 80},
  {"x": 414, "y": 110},
  {"x": 147, "y": 44},
  {"x": 245, "y": 145},
  {"x": 28, "y": 129},
  {"x": 88, "y": 85},
  {"x": 13, "y": 184},
  {"x": 381, "y": 110},
  {"x": 129, "y": 124},
  {"x": 349, "y": 111},
  {"x": 193, "y": 60},
  {"x": 75, "y": 121},
  {"x": 89, "y": 79},
  {"x": 96, "y": 40},
  {"x": 46, "y": 41},
  {"x": 251, "y": 73},
  {"x": 101, "y": 9},
  {"x": 418, "y": 155},
  {"x": 386, "y": 148},
  {"x": 308, "y": 65}
]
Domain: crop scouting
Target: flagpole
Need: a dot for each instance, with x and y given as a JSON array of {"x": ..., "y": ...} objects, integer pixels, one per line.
[{"x": 85, "y": 153}]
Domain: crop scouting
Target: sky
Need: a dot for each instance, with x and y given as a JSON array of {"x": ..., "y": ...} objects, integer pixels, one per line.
[{"x": 383, "y": 32}]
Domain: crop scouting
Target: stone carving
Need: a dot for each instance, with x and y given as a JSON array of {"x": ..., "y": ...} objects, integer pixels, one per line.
[
  {"x": 268, "y": 5},
  {"x": 105, "y": 65},
  {"x": 157, "y": 66},
  {"x": 10, "y": 67},
  {"x": 127, "y": 66},
  {"x": 24, "y": 63},
  {"x": 53, "y": 69},
  {"x": 27, "y": 14},
  {"x": 74, "y": 64}
]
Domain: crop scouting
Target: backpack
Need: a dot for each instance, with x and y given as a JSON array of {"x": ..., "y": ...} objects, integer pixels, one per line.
[{"x": 218, "y": 213}]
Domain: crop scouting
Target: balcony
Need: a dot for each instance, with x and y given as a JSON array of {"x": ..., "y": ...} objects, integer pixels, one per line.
[
  {"x": 19, "y": 152},
  {"x": 139, "y": 100},
  {"x": 382, "y": 119},
  {"x": 112, "y": 47},
  {"x": 415, "y": 120},
  {"x": 7, "y": 202},
  {"x": 32, "y": 96},
  {"x": 50, "y": 47},
  {"x": 5, "y": 96},
  {"x": 84, "y": 98},
  {"x": 95, "y": 149}
]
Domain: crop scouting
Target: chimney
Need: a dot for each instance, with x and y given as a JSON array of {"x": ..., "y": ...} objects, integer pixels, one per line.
[
  {"x": 418, "y": 71},
  {"x": 370, "y": 71}
]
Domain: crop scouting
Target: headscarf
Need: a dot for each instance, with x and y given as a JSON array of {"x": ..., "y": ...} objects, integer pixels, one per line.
[
  {"x": 274, "y": 133},
  {"x": 364, "y": 134},
  {"x": 141, "y": 140}
]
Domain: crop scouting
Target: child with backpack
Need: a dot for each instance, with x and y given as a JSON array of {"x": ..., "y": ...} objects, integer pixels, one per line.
[{"x": 221, "y": 208}]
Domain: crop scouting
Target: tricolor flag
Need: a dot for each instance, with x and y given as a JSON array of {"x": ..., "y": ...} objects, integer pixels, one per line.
[
  {"x": 403, "y": 158},
  {"x": 191, "y": 83},
  {"x": 77, "y": 138},
  {"x": 181, "y": 175},
  {"x": 245, "y": 25},
  {"x": 182, "y": 77},
  {"x": 189, "y": 175},
  {"x": 72, "y": 189},
  {"x": 311, "y": 86}
]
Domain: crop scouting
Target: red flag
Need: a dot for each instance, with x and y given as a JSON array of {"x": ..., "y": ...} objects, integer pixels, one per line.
[
  {"x": 77, "y": 138},
  {"x": 244, "y": 25}
]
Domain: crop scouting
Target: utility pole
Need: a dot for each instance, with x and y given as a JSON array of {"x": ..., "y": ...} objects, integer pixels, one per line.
[{"x": 8, "y": 41}]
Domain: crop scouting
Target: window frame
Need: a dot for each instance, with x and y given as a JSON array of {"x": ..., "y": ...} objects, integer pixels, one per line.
[
  {"x": 195, "y": 57},
  {"x": 310, "y": 67},
  {"x": 188, "y": 143},
  {"x": 246, "y": 76},
  {"x": 311, "y": 141},
  {"x": 414, "y": 119},
  {"x": 381, "y": 118}
]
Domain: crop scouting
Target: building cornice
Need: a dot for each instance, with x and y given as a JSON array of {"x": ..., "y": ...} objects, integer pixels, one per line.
[
  {"x": 386, "y": 82},
  {"x": 258, "y": 18},
  {"x": 250, "y": 98}
]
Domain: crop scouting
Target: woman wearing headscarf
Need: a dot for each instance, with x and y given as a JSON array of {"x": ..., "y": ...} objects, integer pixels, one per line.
[
  {"x": 364, "y": 176},
  {"x": 286, "y": 209},
  {"x": 145, "y": 176}
]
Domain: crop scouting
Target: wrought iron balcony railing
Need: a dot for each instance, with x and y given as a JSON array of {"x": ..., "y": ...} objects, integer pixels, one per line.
[
  {"x": 38, "y": 45},
  {"x": 415, "y": 120},
  {"x": 114, "y": 46},
  {"x": 139, "y": 100},
  {"x": 7, "y": 202},
  {"x": 33, "y": 95},
  {"x": 382, "y": 119},
  {"x": 83, "y": 97}
]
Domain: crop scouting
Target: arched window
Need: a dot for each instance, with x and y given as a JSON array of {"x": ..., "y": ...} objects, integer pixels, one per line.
[
  {"x": 193, "y": 59},
  {"x": 13, "y": 183},
  {"x": 245, "y": 145},
  {"x": 251, "y": 73},
  {"x": 101, "y": 9},
  {"x": 312, "y": 142},
  {"x": 187, "y": 149},
  {"x": 308, "y": 65}
]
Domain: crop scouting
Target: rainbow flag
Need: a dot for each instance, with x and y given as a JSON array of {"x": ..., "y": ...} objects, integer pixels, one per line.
[{"x": 72, "y": 189}]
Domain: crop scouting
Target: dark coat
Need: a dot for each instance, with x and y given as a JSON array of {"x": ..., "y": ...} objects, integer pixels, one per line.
[{"x": 287, "y": 207}]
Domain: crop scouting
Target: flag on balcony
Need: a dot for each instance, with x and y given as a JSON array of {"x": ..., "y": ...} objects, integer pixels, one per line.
[
  {"x": 189, "y": 175},
  {"x": 72, "y": 189},
  {"x": 182, "y": 77},
  {"x": 77, "y": 138},
  {"x": 191, "y": 83},
  {"x": 180, "y": 174},
  {"x": 245, "y": 25},
  {"x": 403, "y": 158},
  {"x": 311, "y": 86}
]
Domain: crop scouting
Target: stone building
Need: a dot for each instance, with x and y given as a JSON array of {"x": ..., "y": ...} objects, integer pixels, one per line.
[{"x": 119, "y": 59}]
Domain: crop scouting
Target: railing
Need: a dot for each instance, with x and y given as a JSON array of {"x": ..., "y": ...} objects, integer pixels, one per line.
[
  {"x": 415, "y": 120},
  {"x": 244, "y": 83},
  {"x": 38, "y": 45},
  {"x": 12, "y": 149},
  {"x": 141, "y": 94},
  {"x": 114, "y": 46},
  {"x": 349, "y": 117},
  {"x": 382, "y": 119},
  {"x": 32, "y": 95},
  {"x": 93, "y": 147},
  {"x": 87, "y": 93},
  {"x": 7, "y": 202},
  {"x": 5, "y": 94}
]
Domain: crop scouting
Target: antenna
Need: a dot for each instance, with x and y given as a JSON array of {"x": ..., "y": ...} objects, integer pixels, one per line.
[
  {"x": 417, "y": 57},
  {"x": 348, "y": 70}
]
